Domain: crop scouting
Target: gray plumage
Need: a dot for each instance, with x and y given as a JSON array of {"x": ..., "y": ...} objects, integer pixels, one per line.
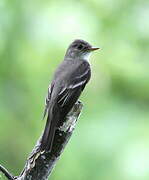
[{"x": 68, "y": 82}]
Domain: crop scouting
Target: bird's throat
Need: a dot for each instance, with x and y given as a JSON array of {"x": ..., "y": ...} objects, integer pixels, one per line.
[{"x": 86, "y": 56}]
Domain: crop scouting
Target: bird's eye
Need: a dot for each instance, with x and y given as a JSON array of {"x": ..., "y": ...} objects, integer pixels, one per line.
[{"x": 80, "y": 46}]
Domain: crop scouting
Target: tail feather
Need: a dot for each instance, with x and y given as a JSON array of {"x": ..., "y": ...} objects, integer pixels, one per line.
[
  {"x": 50, "y": 137},
  {"x": 49, "y": 131}
]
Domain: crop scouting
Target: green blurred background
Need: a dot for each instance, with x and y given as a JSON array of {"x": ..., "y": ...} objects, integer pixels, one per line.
[{"x": 111, "y": 140}]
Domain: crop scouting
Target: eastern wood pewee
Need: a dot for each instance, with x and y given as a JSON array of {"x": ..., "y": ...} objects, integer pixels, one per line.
[{"x": 69, "y": 81}]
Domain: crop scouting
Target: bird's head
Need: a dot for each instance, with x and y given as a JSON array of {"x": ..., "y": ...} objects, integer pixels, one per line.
[{"x": 80, "y": 49}]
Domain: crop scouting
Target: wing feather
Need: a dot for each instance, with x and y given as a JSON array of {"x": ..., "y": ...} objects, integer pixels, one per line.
[
  {"x": 77, "y": 83},
  {"x": 47, "y": 99}
]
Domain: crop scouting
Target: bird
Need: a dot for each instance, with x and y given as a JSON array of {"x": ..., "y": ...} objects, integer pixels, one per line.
[{"x": 69, "y": 80}]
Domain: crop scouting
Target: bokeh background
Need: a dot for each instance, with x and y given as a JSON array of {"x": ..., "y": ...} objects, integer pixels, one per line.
[{"x": 111, "y": 140}]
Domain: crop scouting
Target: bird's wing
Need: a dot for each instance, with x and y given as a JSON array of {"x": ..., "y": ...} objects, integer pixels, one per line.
[
  {"x": 72, "y": 90},
  {"x": 47, "y": 99},
  {"x": 62, "y": 95}
]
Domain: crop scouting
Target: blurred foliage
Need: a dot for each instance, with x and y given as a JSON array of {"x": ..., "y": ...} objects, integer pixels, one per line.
[{"x": 111, "y": 138}]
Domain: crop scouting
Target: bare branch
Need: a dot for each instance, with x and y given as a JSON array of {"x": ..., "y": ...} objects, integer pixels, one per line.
[
  {"x": 39, "y": 165},
  {"x": 6, "y": 173}
]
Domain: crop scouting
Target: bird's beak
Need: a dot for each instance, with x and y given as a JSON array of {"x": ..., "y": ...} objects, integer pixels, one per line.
[{"x": 93, "y": 48}]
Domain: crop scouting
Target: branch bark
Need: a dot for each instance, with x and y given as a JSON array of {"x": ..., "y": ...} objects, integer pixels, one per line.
[{"x": 39, "y": 165}]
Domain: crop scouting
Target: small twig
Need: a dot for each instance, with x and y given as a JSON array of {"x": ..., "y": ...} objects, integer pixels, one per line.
[
  {"x": 6, "y": 173},
  {"x": 39, "y": 165}
]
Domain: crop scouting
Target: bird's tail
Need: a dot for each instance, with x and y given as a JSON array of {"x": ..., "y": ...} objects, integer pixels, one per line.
[{"x": 49, "y": 131}]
